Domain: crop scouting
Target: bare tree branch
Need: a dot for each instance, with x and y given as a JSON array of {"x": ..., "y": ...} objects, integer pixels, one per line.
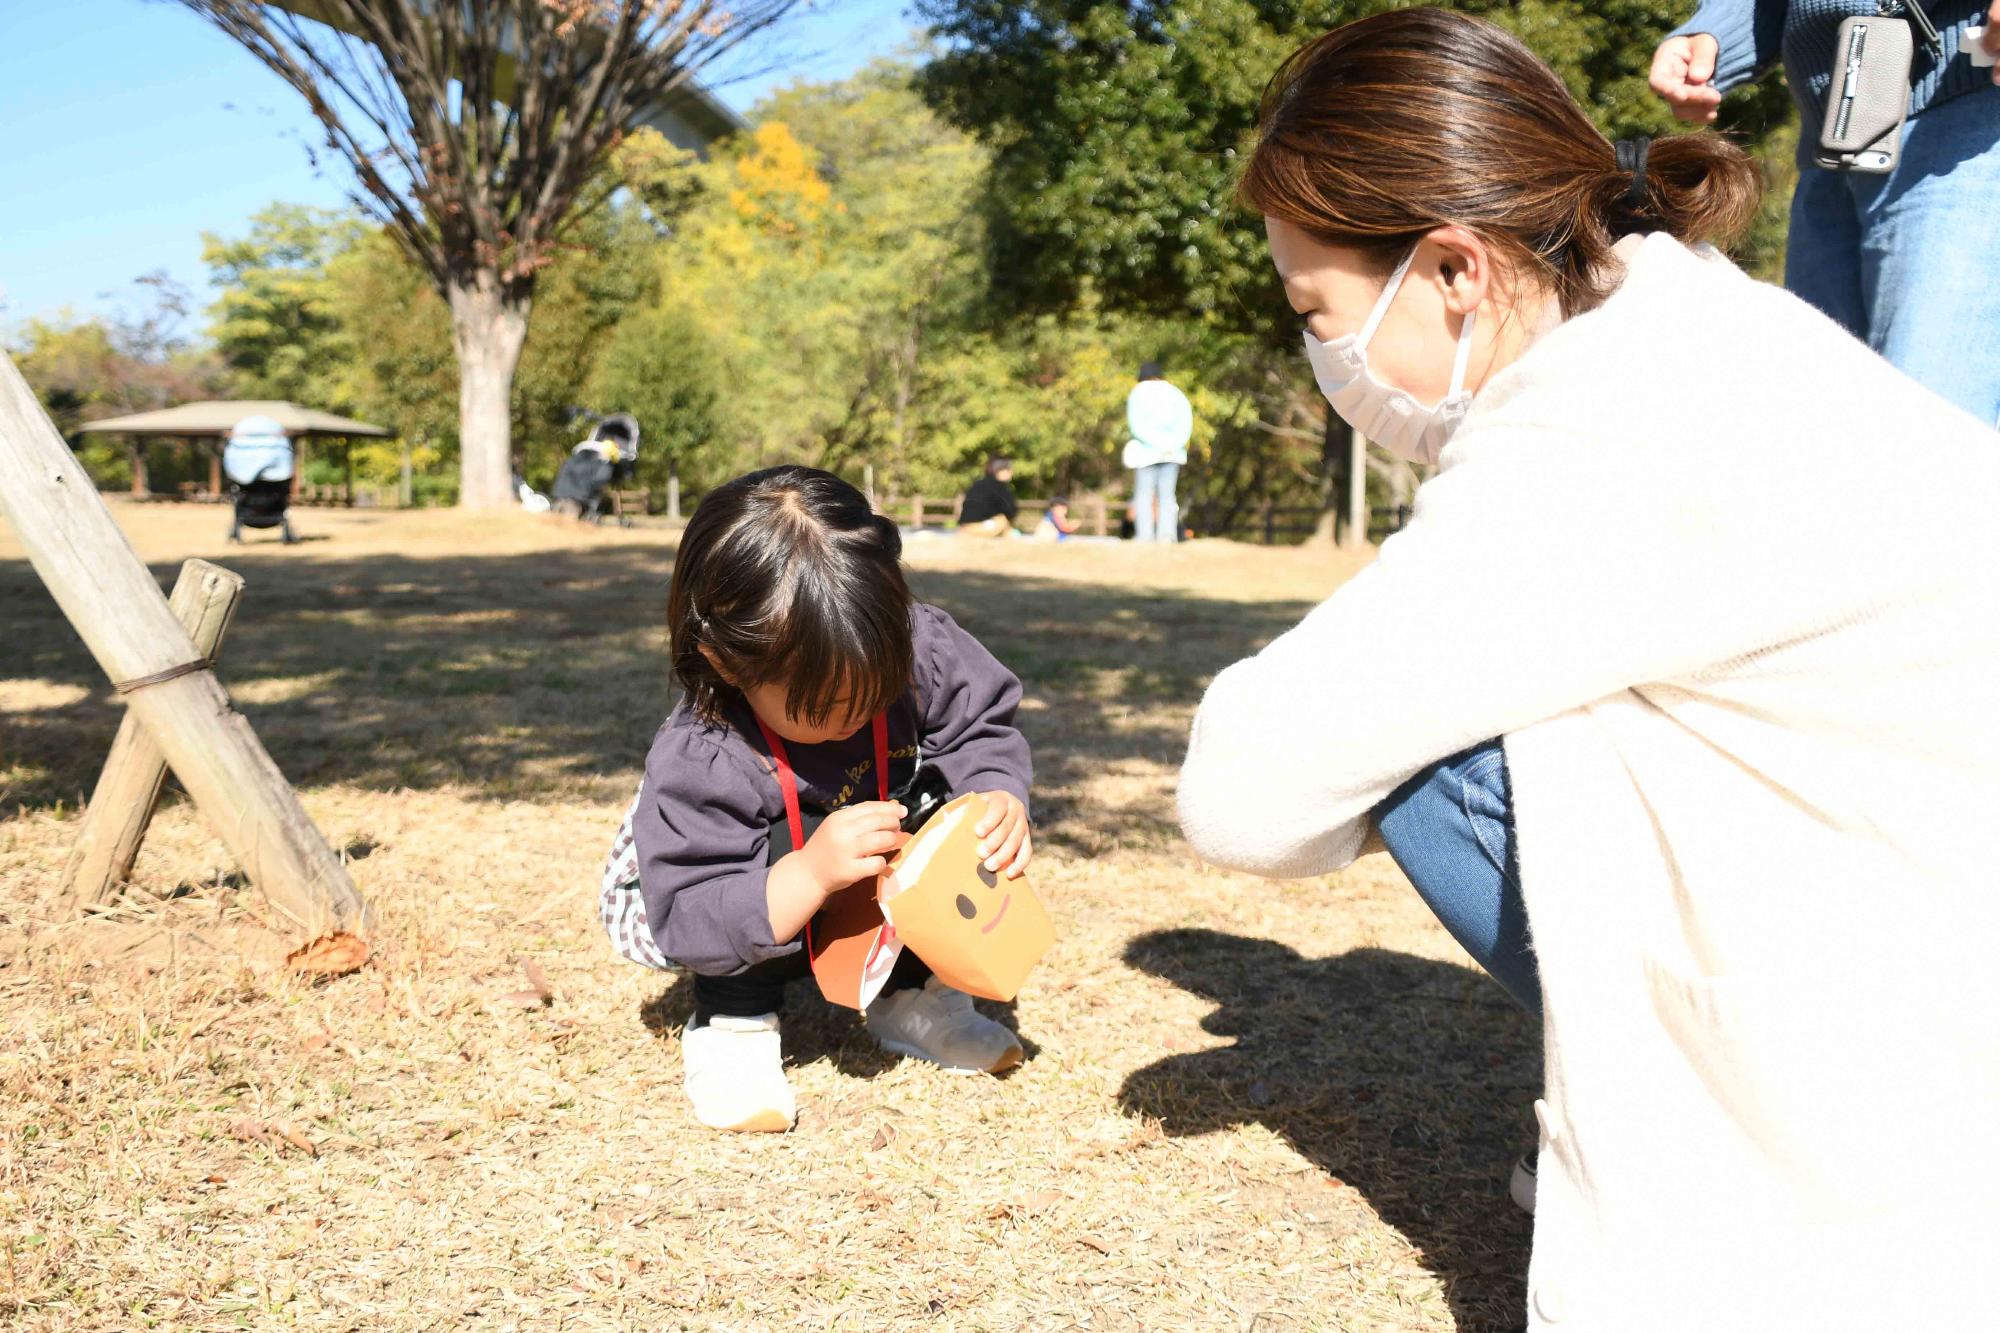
[{"x": 472, "y": 170}]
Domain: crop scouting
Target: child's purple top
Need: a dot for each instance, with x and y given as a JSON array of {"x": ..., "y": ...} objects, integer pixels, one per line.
[{"x": 705, "y": 815}]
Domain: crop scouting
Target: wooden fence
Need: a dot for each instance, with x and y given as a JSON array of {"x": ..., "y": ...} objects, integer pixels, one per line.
[{"x": 1267, "y": 523}]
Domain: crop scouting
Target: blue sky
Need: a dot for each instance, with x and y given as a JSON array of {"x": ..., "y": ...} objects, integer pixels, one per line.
[{"x": 129, "y": 127}]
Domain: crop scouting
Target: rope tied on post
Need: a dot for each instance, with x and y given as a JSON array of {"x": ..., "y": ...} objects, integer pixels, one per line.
[{"x": 162, "y": 677}]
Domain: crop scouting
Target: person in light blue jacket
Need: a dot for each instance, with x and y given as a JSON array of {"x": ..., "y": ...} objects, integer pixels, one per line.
[
  {"x": 1160, "y": 420},
  {"x": 1900, "y": 259}
]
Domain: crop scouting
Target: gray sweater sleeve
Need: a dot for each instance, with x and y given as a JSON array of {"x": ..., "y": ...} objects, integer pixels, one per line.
[
  {"x": 1749, "y": 35},
  {"x": 702, "y": 831},
  {"x": 968, "y": 701}
]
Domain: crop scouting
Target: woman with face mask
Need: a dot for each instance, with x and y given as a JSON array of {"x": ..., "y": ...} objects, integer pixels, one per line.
[{"x": 1686, "y": 745}]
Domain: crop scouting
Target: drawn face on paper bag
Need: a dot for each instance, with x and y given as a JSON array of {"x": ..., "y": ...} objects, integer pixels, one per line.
[
  {"x": 989, "y": 909},
  {"x": 979, "y": 932}
]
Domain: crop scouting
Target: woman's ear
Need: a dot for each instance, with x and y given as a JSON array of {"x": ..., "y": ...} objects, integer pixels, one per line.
[{"x": 1462, "y": 266}]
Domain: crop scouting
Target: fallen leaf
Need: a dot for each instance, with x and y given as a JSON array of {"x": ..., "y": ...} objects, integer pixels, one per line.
[
  {"x": 1041, "y": 1199},
  {"x": 315, "y": 1043},
  {"x": 999, "y": 1212},
  {"x": 883, "y": 1138},
  {"x": 329, "y": 956},
  {"x": 250, "y": 1131},
  {"x": 526, "y": 999},
  {"x": 218, "y": 1180},
  {"x": 539, "y": 980},
  {"x": 1094, "y": 1243},
  {"x": 271, "y": 1136}
]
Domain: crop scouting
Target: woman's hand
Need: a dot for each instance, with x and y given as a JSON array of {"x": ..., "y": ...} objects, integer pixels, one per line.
[
  {"x": 1004, "y": 829},
  {"x": 1684, "y": 73}
]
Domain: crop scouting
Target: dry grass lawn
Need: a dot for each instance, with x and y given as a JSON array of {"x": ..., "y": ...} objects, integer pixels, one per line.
[{"x": 1246, "y": 1105}]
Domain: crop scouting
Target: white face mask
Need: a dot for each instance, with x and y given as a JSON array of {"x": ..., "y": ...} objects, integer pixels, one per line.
[{"x": 1382, "y": 412}]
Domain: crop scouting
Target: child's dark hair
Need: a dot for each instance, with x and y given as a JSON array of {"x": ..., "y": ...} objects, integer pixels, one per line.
[{"x": 789, "y": 574}]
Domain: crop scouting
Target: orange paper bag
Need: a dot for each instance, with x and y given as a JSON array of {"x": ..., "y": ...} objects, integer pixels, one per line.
[{"x": 980, "y": 932}]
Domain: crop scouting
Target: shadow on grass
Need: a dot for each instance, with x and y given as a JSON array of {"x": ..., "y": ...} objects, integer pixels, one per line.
[
  {"x": 542, "y": 676},
  {"x": 1407, "y": 1078}
]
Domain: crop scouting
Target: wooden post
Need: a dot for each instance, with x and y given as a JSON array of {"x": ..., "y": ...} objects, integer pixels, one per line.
[
  {"x": 404, "y": 487},
  {"x": 215, "y": 469},
  {"x": 118, "y": 611},
  {"x": 1100, "y": 518},
  {"x": 1268, "y": 515},
  {"x": 916, "y": 511},
  {"x": 1357, "y": 490},
  {"x": 673, "y": 494},
  {"x": 115, "y": 823},
  {"x": 136, "y": 451},
  {"x": 347, "y": 469}
]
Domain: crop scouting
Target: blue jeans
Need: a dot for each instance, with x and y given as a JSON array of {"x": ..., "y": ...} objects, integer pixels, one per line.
[
  {"x": 1904, "y": 260},
  {"x": 1147, "y": 482},
  {"x": 1451, "y": 829}
]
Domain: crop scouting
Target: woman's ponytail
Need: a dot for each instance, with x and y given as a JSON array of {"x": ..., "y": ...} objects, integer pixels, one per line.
[{"x": 1418, "y": 118}]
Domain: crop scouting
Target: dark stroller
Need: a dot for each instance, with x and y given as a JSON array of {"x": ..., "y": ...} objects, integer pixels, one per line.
[
  {"x": 609, "y": 456},
  {"x": 258, "y": 462}
]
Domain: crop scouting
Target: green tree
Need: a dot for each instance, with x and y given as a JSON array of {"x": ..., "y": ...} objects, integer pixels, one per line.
[
  {"x": 274, "y": 322},
  {"x": 134, "y": 360},
  {"x": 821, "y": 281},
  {"x": 1117, "y": 131},
  {"x": 657, "y": 365}
]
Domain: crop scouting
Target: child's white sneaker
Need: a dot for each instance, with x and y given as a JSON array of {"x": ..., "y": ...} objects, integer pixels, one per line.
[
  {"x": 939, "y": 1024},
  {"x": 735, "y": 1075}
]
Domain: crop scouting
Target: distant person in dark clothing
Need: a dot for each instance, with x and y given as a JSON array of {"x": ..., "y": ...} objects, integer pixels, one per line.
[{"x": 989, "y": 507}]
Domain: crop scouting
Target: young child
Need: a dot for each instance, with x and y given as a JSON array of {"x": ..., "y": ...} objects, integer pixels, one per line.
[
  {"x": 812, "y": 688},
  {"x": 1056, "y": 524}
]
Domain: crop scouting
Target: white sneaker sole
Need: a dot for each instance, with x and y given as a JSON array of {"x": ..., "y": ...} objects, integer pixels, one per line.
[
  {"x": 1008, "y": 1059},
  {"x": 767, "y": 1121}
]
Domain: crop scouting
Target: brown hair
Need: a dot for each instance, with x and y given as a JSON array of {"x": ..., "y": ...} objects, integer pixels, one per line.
[
  {"x": 790, "y": 575},
  {"x": 1390, "y": 126}
]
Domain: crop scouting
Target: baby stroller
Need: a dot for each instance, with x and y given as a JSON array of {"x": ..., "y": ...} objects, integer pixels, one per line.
[
  {"x": 258, "y": 462},
  {"x": 609, "y": 456}
]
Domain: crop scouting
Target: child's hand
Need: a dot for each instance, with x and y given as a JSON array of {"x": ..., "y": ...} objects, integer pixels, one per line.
[
  {"x": 1004, "y": 828},
  {"x": 854, "y": 842}
]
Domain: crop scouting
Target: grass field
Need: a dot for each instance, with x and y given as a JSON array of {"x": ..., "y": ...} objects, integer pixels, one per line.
[{"x": 1246, "y": 1105}]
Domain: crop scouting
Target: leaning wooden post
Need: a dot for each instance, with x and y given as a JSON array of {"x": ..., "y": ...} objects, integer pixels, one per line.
[
  {"x": 114, "y": 824},
  {"x": 118, "y": 611}
]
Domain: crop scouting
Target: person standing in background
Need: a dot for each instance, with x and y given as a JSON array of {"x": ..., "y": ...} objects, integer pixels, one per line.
[
  {"x": 1160, "y": 420},
  {"x": 1894, "y": 257}
]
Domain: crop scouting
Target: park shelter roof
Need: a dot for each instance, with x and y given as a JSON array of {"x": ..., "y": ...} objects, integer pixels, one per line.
[{"x": 219, "y": 418}]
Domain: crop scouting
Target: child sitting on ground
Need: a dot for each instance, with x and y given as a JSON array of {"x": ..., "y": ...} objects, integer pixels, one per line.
[
  {"x": 812, "y": 687},
  {"x": 1056, "y": 524}
]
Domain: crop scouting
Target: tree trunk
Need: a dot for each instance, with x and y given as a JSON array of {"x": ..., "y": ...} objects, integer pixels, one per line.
[
  {"x": 488, "y": 327},
  {"x": 1333, "y": 455}
]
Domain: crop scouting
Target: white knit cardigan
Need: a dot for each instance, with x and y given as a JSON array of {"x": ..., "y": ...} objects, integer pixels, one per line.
[{"x": 1729, "y": 586}]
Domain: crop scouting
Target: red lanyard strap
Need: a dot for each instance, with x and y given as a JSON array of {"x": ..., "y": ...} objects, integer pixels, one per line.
[{"x": 789, "y": 784}]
